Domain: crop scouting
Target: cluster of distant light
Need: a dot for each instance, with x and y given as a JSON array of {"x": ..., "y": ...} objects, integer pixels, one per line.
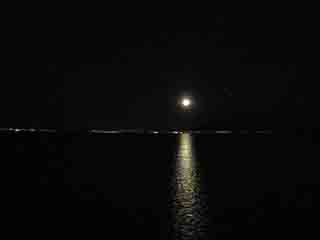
[
  {"x": 179, "y": 132},
  {"x": 26, "y": 130},
  {"x": 137, "y": 131}
]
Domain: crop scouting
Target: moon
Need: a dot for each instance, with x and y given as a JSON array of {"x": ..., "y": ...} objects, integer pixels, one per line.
[{"x": 185, "y": 102}]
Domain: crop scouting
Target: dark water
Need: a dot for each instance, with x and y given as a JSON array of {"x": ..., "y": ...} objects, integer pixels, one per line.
[{"x": 170, "y": 186}]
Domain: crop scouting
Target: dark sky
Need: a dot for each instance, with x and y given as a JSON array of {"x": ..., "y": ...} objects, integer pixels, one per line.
[{"x": 240, "y": 73}]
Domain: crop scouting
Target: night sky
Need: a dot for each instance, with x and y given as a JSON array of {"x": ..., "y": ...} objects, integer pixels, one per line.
[{"x": 241, "y": 73}]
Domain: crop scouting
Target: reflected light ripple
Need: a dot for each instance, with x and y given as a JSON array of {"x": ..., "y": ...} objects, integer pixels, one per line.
[{"x": 188, "y": 205}]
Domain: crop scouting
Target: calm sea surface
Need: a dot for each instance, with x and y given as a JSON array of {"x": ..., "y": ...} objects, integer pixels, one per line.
[{"x": 170, "y": 186}]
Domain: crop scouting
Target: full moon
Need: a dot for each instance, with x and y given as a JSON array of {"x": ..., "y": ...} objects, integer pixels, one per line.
[{"x": 186, "y": 102}]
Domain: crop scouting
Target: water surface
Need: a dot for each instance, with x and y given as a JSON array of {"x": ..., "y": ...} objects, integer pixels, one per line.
[{"x": 168, "y": 186}]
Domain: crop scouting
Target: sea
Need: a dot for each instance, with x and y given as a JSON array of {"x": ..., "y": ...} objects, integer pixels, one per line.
[{"x": 168, "y": 186}]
